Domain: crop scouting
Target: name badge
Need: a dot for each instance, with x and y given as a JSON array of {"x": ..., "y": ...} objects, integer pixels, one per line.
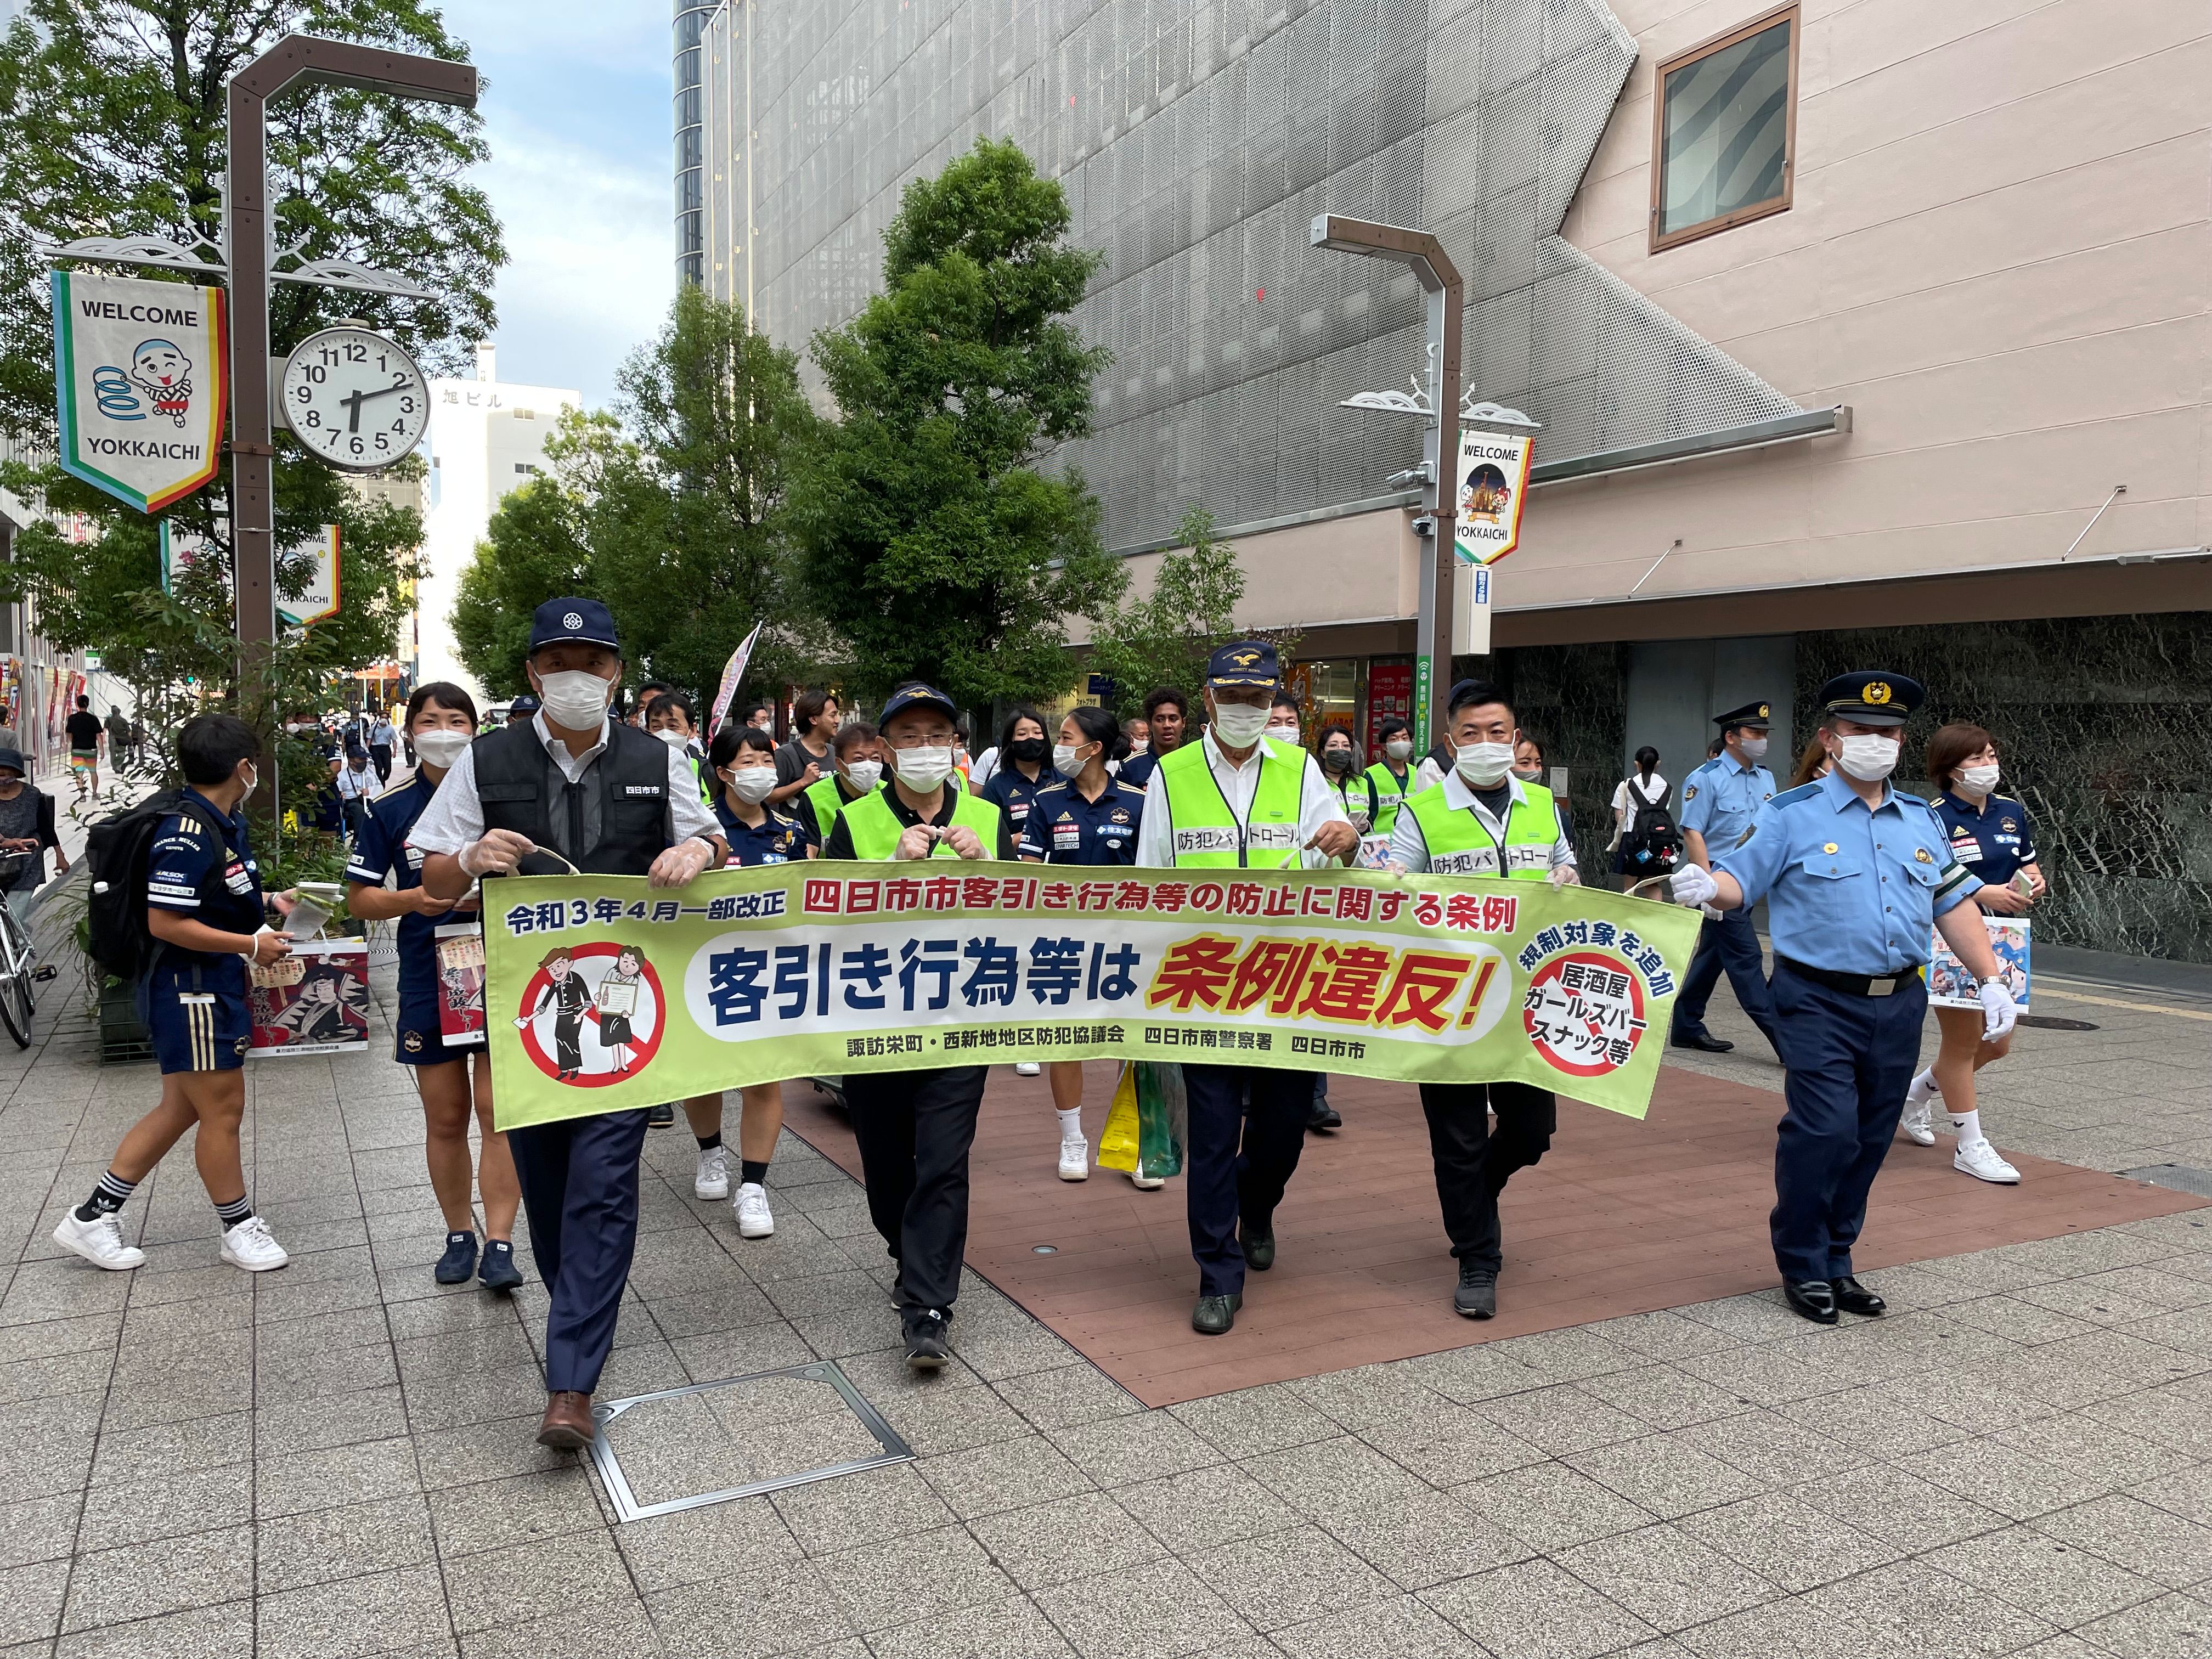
[
  {"x": 1066, "y": 837},
  {"x": 653, "y": 789},
  {"x": 237, "y": 879},
  {"x": 414, "y": 858},
  {"x": 1966, "y": 849}
]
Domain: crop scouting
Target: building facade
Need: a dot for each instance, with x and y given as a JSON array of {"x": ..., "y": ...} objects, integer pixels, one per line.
[{"x": 1846, "y": 321}]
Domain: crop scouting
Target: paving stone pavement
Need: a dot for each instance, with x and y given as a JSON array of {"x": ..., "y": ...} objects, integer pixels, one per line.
[{"x": 334, "y": 1460}]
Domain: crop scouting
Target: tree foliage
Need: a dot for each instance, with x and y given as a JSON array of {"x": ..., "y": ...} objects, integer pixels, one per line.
[
  {"x": 670, "y": 512},
  {"x": 934, "y": 545},
  {"x": 1165, "y": 637}
]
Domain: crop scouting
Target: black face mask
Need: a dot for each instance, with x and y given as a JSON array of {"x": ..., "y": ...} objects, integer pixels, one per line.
[
  {"x": 1030, "y": 748},
  {"x": 1336, "y": 760}
]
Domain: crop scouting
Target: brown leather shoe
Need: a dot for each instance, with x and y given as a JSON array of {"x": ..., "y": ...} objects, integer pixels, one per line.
[{"x": 567, "y": 1423}]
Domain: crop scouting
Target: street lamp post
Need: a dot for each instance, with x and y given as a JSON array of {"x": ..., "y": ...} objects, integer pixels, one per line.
[{"x": 1440, "y": 285}]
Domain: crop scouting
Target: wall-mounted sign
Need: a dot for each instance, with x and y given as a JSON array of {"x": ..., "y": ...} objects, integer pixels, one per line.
[
  {"x": 355, "y": 398},
  {"x": 1491, "y": 481},
  {"x": 140, "y": 377},
  {"x": 298, "y": 605}
]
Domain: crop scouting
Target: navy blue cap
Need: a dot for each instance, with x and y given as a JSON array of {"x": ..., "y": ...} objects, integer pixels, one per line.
[
  {"x": 525, "y": 704},
  {"x": 1244, "y": 662},
  {"x": 1752, "y": 713},
  {"x": 915, "y": 695},
  {"x": 572, "y": 622},
  {"x": 1876, "y": 698}
]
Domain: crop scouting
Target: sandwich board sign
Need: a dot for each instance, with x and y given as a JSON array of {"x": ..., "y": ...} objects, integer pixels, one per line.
[{"x": 141, "y": 378}]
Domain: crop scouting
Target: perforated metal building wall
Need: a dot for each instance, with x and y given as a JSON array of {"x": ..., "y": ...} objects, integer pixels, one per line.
[{"x": 1196, "y": 140}]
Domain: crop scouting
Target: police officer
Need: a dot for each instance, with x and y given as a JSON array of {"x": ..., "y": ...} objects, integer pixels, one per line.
[
  {"x": 609, "y": 800},
  {"x": 1718, "y": 800},
  {"x": 1854, "y": 875},
  {"x": 1239, "y": 799},
  {"x": 1481, "y": 820},
  {"x": 914, "y": 1126}
]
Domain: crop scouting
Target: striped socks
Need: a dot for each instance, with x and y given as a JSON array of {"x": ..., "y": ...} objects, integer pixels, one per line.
[
  {"x": 108, "y": 1197},
  {"x": 236, "y": 1211}
]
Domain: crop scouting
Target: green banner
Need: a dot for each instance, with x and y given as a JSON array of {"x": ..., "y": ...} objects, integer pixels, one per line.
[{"x": 603, "y": 992}]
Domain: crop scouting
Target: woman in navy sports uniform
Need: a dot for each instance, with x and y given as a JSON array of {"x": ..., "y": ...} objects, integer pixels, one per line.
[{"x": 453, "y": 1081}]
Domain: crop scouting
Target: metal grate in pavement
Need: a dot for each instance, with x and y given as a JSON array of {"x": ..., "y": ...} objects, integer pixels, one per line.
[
  {"x": 2177, "y": 1177},
  {"x": 711, "y": 1443}
]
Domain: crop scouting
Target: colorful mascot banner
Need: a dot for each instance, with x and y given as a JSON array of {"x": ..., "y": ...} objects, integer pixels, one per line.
[
  {"x": 141, "y": 376},
  {"x": 602, "y": 992},
  {"x": 1492, "y": 482}
]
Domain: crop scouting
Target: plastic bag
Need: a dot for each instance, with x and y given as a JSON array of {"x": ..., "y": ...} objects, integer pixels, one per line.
[
  {"x": 1118, "y": 1141},
  {"x": 1163, "y": 1118}
]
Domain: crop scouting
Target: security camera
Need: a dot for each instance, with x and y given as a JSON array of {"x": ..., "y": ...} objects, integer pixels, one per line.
[{"x": 1425, "y": 526}]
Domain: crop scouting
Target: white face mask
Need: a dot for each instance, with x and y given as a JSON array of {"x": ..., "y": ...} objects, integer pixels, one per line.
[
  {"x": 1868, "y": 759},
  {"x": 1399, "y": 749},
  {"x": 1139, "y": 745},
  {"x": 1484, "y": 764},
  {"x": 441, "y": 749},
  {"x": 1239, "y": 725},
  {"x": 673, "y": 738},
  {"x": 1754, "y": 749},
  {"x": 864, "y": 775},
  {"x": 1285, "y": 730},
  {"x": 574, "y": 698},
  {"x": 1977, "y": 779},
  {"x": 253, "y": 779},
  {"x": 751, "y": 784},
  {"x": 1065, "y": 759},
  {"x": 922, "y": 770}
]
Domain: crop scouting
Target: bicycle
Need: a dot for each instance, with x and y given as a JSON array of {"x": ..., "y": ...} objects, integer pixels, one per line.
[{"x": 19, "y": 958}]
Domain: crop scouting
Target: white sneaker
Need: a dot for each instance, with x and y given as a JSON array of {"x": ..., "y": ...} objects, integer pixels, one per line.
[
  {"x": 712, "y": 1180},
  {"x": 1027, "y": 1068},
  {"x": 1982, "y": 1161},
  {"x": 754, "y": 1220},
  {"x": 1145, "y": 1184},
  {"x": 1075, "y": 1159},
  {"x": 249, "y": 1245},
  {"x": 99, "y": 1241},
  {"x": 1916, "y": 1122}
]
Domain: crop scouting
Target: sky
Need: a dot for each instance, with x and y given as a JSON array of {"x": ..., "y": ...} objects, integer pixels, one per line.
[{"x": 576, "y": 109}]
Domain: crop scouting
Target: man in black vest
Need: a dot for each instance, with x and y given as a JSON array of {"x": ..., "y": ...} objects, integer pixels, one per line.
[{"x": 611, "y": 800}]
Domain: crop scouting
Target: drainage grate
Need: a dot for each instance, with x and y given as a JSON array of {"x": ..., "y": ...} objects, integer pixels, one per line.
[
  {"x": 2053, "y": 1023},
  {"x": 2179, "y": 1177},
  {"x": 739, "y": 1437}
]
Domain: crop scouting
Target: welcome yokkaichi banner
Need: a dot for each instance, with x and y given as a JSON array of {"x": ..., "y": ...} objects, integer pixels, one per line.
[
  {"x": 603, "y": 993},
  {"x": 142, "y": 375}
]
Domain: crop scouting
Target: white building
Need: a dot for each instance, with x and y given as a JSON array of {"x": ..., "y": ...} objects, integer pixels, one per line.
[{"x": 486, "y": 438}]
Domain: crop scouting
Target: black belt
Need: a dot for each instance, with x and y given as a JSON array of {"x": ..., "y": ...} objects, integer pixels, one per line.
[{"x": 1857, "y": 985}]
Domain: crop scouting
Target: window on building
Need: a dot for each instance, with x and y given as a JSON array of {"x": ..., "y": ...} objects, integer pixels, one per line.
[
  {"x": 524, "y": 466},
  {"x": 1724, "y": 130}
]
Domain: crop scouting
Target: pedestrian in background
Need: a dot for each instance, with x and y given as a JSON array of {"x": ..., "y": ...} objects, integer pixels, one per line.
[
  {"x": 1165, "y": 709},
  {"x": 1813, "y": 763},
  {"x": 804, "y": 761},
  {"x": 380, "y": 736},
  {"x": 1643, "y": 788},
  {"x": 27, "y": 823}
]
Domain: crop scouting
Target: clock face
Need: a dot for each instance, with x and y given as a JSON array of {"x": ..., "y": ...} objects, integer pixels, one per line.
[{"x": 355, "y": 398}]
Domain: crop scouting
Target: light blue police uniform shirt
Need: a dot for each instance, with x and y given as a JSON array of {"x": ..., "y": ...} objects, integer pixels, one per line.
[
  {"x": 1720, "y": 799},
  {"x": 1848, "y": 889}
]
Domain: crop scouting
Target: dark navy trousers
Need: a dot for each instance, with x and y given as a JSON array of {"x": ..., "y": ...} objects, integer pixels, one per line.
[
  {"x": 1247, "y": 1126},
  {"x": 1730, "y": 943},
  {"x": 1849, "y": 1060},
  {"x": 914, "y": 1129},
  {"x": 580, "y": 1186}
]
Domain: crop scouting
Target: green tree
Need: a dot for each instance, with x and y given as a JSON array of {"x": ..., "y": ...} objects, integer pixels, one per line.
[
  {"x": 1165, "y": 637},
  {"x": 934, "y": 546},
  {"x": 670, "y": 512}
]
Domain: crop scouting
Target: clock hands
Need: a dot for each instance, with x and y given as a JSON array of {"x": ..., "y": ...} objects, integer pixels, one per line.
[{"x": 354, "y": 400}]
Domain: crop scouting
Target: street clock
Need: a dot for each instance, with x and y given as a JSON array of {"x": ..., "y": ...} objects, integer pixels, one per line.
[{"x": 355, "y": 399}]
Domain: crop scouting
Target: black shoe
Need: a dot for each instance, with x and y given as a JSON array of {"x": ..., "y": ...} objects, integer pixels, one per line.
[
  {"x": 1323, "y": 1116},
  {"x": 1477, "y": 1295},
  {"x": 499, "y": 1271},
  {"x": 1258, "y": 1239},
  {"x": 925, "y": 1347},
  {"x": 1853, "y": 1298},
  {"x": 1214, "y": 1315},
  {"x": 1703, "y": 1041},
  {"x": 660, "y": 1116},
  {"x": 458, "y": 1262},
  {"x": 1811, "y": 1298}
]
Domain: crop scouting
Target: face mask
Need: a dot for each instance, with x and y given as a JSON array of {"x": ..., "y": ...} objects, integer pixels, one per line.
[
  {"x": 922, "y": 770},
  {"x": 1027, "y": 749},
  {"x": 1239, "y": 724},
  {"x": 573, "y": 698},
  {"x": 1399, "y": 749},
  {"x": 864, "y": 776},
  {"x": 1528, "y": 774},
  {"x": 1069, "y": 759},
  {"x": 1976, "y": 780},
  {"x": 1336, "y": 760},
  {"x": 752, "y": 783},
  {"x": 1868, "y": 759},
  {"x": 1139, "y": 745},
  {"x": 441, "y": 749},
  {"x": 673, "y": 738},
  {"x": 1754, "y": 749},
  {"x": 1484, "y": 764},
  {"x": 1287, "y": 731},
  {"x": 253, "y": 779}
]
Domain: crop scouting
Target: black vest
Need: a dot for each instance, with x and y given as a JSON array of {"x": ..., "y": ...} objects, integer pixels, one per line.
[{"x": 613, "y": 821}]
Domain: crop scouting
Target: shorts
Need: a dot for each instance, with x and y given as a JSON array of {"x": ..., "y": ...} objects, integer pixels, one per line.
[
  {"x": 204, "y": 1031},
  {"x": 416, "y": 1041},
  {"x": 79, "y": 759}
]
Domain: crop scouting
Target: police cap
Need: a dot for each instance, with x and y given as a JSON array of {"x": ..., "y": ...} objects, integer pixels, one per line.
[
  {"x": 572, "y": 622},
  {"x": 1875, "y": 698},
  {"x": 915, "y": 695},
  {"x": 525, "y": 704},
  {"x": 1244, "y": 662},
  {"x": 1752, "y": 713}
]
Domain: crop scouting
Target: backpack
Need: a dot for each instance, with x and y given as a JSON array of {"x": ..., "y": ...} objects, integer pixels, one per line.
[
  {"x": 116, "y": 849},
  {"x": 1653, "y": 844}
]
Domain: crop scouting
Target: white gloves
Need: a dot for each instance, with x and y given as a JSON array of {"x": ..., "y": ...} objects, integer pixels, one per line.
[
  {"x": 497, "y": 852},
  {"x": 1998, "y": 1011},
  {"x": 680, "y": 865},
  {"x": 1693, "y": 885}
]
